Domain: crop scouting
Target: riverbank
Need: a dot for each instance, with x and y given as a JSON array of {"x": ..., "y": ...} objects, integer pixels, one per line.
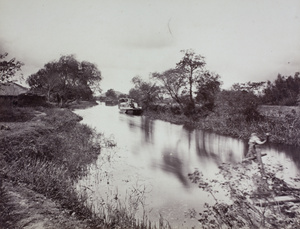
[
  {"x": 43, "y": 153},
  {"x": 166, "y": 153},
  {"x": 283, "y": 130},
  {"x": 82, "y": 104},
  {"x": 41, "y": 158}
]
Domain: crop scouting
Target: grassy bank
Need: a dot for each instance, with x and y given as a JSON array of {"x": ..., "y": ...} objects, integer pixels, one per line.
[
  {"x": 283, "y": 130},
  {"x": 48, "y": 153}
]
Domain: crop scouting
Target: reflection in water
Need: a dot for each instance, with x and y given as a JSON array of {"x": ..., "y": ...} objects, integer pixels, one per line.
[
  {"x": 218, "y": 148},
  {"x": 200, "y": 144},
  {"x": 173, "y": 164},
  {"x": 147, "y": 127},
  {"x": 160, "y": 155}
]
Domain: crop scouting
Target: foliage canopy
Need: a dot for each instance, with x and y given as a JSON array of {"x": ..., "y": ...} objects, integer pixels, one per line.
[
  {"x": 111, "y": 94},
  {"x": 144, "y": 92},
  {"x": 283, "y": 91},
  {"x": 66, "y": 80},
  {"x": 8, "y": 68},
  {"x": 189, "y": 84}
]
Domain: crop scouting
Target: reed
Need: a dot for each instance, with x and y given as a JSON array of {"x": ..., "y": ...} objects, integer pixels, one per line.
[
  {"x": 284, "y": 130},
  {"x": 5, "y": 208},
  {"x": 49, "y": 157}
]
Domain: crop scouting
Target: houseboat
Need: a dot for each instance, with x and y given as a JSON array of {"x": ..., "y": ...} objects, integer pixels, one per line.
[{"x": 129, "y": 106}]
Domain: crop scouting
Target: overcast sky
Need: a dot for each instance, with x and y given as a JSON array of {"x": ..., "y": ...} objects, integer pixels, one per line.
[{"x": 241, "y": 40}]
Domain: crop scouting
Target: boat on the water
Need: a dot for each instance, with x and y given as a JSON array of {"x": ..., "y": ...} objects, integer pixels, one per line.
[{"x": 129, "y": 106}]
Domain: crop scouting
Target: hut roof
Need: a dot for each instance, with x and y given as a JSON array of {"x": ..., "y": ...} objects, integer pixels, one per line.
[{"x": 12, "y": 89}]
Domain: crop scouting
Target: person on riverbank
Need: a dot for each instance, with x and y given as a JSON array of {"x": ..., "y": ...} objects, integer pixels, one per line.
[{"x": 253, "y": 142}]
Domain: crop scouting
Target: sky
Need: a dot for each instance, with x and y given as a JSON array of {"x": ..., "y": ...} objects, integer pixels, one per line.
[{"x": 241, "y": 40}]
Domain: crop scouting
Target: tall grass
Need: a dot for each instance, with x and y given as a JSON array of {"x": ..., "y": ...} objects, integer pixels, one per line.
[
  {"x": 14, "y": 114},
  {"x": 50, "y": 157},
  {"x": 5, "y": 208},
  {"x": 284, "y": 130}
]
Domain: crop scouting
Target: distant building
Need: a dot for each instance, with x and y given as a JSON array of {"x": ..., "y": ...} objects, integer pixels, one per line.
[
  {"x": 9, "y": 92},
  {"x": 15, "y": 94},
  {"x": 12, "y": 89}
]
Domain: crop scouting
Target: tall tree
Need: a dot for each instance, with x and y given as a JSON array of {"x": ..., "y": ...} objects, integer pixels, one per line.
[
  {"x": 283, "y": 91},
  {"x": 189, "y": 83},
  {"x": 111, "y": 94},
  {"x": 46, "y": 80},
  {"x": 143, "y": 92},
  {"x": 90, "y": 75},
  {"x": 8, "y": 68},
  {"x": 208, "y": 86},
  {"x": 173, "y": 81},
  {"x": 66, "y": 80},
  {"x": 191, "y": 62}
]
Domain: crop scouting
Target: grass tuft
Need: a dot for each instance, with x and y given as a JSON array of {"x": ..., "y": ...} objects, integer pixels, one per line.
[{"x": 49, "y": 155}]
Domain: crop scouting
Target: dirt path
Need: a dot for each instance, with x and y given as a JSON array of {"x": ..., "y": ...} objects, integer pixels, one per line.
[
  {"x": 27, "y": 208},
  {"x": 31, "y": 210}
]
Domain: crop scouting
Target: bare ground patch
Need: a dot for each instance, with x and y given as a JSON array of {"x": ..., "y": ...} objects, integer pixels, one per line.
[{"x": 31, "y": 210}]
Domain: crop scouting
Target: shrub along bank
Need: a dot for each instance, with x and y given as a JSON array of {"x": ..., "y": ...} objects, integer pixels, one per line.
[{"x": 283, "y": 130}]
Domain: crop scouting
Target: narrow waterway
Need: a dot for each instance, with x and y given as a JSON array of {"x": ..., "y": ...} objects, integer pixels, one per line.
[{"x": 147, "y": 172}]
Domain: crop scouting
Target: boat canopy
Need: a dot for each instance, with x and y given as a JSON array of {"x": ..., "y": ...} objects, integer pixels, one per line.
[{"x": 125, "y": 100}]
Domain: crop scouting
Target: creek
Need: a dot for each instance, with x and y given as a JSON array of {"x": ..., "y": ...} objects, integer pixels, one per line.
[{"x": 146, "y": 174}]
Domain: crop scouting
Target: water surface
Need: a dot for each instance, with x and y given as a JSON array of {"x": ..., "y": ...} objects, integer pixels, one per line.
[{"x": 149, "y": 167}]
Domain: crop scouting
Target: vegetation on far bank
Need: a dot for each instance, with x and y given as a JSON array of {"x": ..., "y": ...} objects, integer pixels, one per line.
[
  {"x": 188, "y": 93},
  {"x": 48, "y": 150},
  {"x": 192, "y": 95},
  {"x": 284, "y": 130}
]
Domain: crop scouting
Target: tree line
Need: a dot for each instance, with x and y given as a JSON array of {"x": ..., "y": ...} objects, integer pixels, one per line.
[
  {"x": 188, "y": 87},
  {"x": 61, "y": 81},
  {"x": 66, "y": 80}
]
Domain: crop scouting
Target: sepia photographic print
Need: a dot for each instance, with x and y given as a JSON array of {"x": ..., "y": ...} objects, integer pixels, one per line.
[{"x": 149, "y": 114}]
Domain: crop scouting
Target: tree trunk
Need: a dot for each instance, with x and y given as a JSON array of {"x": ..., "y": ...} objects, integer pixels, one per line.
[
  {"x": 191, "y": 87},
  {"x": 48, "y": 95},
  {"x": 192, "y": 109}
]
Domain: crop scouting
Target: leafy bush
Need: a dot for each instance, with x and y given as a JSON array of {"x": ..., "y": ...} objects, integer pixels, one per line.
[
  {"x": 283, "y": 91},
  {"x": 251, "y": 195}
]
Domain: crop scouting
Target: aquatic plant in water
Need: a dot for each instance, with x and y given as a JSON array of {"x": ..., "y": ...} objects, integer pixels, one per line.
[{"x": 254, "y": 198}]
